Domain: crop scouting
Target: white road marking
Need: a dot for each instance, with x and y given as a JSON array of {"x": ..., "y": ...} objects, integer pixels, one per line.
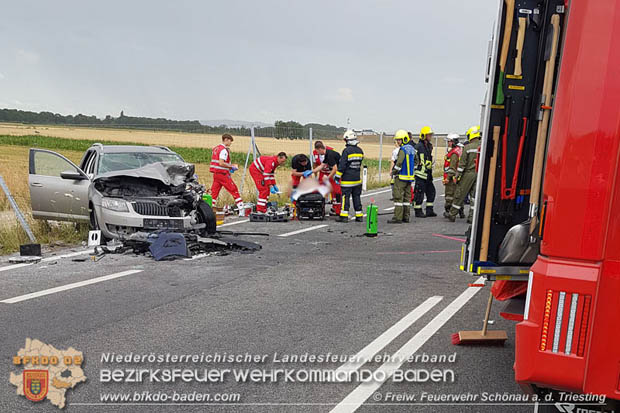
[
  {"x": 376, "y": 193},
  {"x": 68, "y": 287},
  {"x": 299, "y": 231},
  {"x": 46, "y": 259},
  {"x": 352, "y": 217},
  {"x": 389, "y": 209},
  {"x": 361, "y": 393},
  {"x": 234, "y": 223},
  {"x": 389, "y": 335}
]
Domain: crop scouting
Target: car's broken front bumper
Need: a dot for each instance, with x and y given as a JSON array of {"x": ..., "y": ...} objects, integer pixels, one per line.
[{"x": 113, "y": 224}]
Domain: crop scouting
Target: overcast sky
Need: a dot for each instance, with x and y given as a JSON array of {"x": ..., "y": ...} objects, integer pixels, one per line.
[{"x": 385, "y": 64}]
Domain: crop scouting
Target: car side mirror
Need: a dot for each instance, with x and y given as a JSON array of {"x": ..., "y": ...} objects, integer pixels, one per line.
[{"x": 74, "y": 175}]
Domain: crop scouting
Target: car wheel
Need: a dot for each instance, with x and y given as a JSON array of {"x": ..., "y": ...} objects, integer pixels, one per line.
[
  {"x": 206, "y": 215},
  {"x": 94, "y": 226}
]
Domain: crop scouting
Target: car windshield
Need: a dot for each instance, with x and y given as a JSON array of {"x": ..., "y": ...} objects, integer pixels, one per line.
[{"x": 132, "y": 160}]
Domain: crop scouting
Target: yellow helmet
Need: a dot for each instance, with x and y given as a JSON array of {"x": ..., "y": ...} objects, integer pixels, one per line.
[
  {"x": 473, "y": 132},
  {"x": 425, "y": 131},
  {"x": 401, "y": 134}
]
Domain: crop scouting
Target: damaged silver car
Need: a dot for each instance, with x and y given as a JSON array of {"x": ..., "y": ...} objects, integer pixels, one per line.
[{"x": 120, "y": 190}]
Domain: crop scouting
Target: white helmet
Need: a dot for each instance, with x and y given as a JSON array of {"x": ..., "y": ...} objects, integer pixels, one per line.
[{"x": 349, "y": 135}]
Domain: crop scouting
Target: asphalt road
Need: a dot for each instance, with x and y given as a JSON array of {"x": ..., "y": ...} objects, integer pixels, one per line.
[{"x": 327, "y": 290}]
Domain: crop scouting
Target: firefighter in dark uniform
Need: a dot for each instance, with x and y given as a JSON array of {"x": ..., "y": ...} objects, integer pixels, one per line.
[
  {"x": 466, "y": 174},
  {"x": 349, "y": 176},
  {"x": 424, "y": 175},
  {"x": 403, "y": 173}
]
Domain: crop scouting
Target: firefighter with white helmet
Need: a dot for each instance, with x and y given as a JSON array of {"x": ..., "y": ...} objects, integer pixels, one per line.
[
  {"x": 403, "y": 173},
  {"x": 466, "y": 174},
  {"x": 451, "y": 163},
  {"x": 349, "y": 176}
]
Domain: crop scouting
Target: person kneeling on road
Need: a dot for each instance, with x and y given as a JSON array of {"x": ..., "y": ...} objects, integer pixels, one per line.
[
  {"x": 327, "y": 168},
  {"x": 349, "y": 176},
  {"x": 301, "y": 169},
  {"x": 403, "y": 173},
  {"x": 263, "y": 173}
]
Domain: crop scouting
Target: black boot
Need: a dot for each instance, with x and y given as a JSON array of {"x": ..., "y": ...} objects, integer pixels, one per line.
[
  {"x": 419, "y": 213},
  {"x": 394, "y": 221},
  {"x": 430, "y": 212},
  {"x": 342, "y": 219},
  {"x": 461, "y": 213}
]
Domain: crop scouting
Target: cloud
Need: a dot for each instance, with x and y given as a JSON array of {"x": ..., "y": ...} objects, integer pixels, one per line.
[
  {"x": 25, "y": 56},
  {"x": 342, "y": 94}
]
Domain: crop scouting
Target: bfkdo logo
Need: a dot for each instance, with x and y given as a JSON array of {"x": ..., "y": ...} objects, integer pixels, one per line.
[
  {"x": 47, "y": 372},
  {"x": 36, "y": 383}
]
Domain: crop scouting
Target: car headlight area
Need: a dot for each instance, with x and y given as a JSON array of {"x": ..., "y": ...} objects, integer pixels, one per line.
[{"x": 115, "y": 204}]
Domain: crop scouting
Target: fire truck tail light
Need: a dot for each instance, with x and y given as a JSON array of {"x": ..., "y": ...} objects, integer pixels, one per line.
[
  {"x": 584, "y": 325},
  {"x": 546, "y": 317},
  {"x": 570, "y": 313}
]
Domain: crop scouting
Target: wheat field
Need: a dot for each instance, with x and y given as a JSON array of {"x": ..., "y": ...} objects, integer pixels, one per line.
[{"x": 267, "y": 146}]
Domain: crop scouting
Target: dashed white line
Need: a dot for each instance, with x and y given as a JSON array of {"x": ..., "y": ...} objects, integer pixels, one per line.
[
  {"x": 362, "y": 392},
  {"x": 389, "y": 209},
  {"x": 299, "y": 231},
  {"x": 376, "y": 193},
  {"x": 68, "y": 287},
  {"x": 389, "y": 335},
  {"x": 234, "y": 223},
  {"x": 46, "y": 259}
]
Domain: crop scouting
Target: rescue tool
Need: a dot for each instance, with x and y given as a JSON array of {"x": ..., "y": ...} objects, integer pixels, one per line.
[
  {"x": 510, "y": 7},
  {"x": 484, "y": 336},
  {"x": 543, "y": 126}
]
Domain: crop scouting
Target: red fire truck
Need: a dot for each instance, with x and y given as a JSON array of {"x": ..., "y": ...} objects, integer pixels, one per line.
[{"x": 563, "y": 249}]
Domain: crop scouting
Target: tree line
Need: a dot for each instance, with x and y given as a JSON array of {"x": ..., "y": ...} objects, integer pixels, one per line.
[{"x": 280, "y": 130}]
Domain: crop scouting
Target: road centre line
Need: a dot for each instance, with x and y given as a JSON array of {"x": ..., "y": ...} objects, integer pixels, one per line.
[
  {"x": 376, "y": 193},
  {"x": 47, "y": 259},
  {"x": 234, "y": 223},
  {"x": 389, "y": 335},
  {"x": 362, "y": 392},
  {"x": 68, "y": 287},
  {"x": 299, "y": 231}
]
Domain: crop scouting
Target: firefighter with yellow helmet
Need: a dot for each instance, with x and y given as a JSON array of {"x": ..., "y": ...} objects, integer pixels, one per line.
[
  {"x": 466, "y": 174},
  {"x": 424, "y": 175},
  {"x": 403, "y": 173}
]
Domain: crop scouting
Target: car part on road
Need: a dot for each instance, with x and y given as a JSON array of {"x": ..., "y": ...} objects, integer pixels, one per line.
[{"x": 171, "y": 245}]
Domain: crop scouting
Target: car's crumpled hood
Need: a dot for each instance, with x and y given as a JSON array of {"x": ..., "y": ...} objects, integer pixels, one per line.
[{"x": 168, "y": 173}]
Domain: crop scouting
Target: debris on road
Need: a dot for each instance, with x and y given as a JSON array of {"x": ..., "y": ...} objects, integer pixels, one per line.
[{"x": 173, "y": 245}]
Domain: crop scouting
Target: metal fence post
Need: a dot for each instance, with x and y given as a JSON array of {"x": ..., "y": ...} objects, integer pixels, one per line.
[
  {"x": 18, "y": 212},
  {"x": 310, "y": 136},
  {"x": 380, "y": 154},
  {"x": 253, "y": 142}
]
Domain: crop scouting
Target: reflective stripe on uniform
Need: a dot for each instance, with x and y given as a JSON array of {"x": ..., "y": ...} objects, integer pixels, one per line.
[
  {"x": 344, "y": 213},
  {"x": 359, "y": 214},
  {"x": 406, "y": 204},
  {"x": 355, "y": 155},
  {"x": 429, "y": 204},
  {"x": 350, "y": 183},
  {"x": 472, "y": 150},
  {"x": 398, "y": 204},
  {"x": 456, "y": 206}
]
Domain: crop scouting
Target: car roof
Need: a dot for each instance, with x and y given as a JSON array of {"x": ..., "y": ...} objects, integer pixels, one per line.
[{"x": 131, "y": 149}]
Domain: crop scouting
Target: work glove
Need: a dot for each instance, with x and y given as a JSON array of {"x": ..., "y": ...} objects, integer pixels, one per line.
[
  {"x": 446, "y": 180},
  {"x": 307, "y": 173},
  {"x": 233, "y": 169},
  {"x": 337, "y": 179},
  {"x": 274, "y": 189}
]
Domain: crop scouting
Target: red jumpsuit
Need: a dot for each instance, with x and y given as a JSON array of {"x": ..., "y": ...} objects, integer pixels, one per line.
[
  {"x": 221, "y": 176},
  {"x": 263, "y": 174}
]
